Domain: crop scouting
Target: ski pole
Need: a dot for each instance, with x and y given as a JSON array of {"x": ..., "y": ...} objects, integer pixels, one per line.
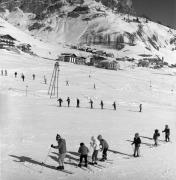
[{"x": 43, "y": 163}]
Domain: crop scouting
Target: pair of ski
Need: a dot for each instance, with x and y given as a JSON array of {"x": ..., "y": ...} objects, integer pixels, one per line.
[
  {"x": 64, "y": 171},
  {"x": 40, "y": 171},
  {"x": 89, "y": 169}
]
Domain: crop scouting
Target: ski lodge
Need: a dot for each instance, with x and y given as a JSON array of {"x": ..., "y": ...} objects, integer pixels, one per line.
[
  {"x": 67, "y": 57},
  {"x": 6, "y": 41}
]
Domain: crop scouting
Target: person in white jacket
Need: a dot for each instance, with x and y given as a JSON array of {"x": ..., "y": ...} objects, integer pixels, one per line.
[{"x": 95, "y": 146}]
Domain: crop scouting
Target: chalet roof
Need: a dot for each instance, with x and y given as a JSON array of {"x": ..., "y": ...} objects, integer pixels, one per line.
[
  {"x": 7, "y": 36},
  {"x": 108, "y": 61},
  {"x": 68, "y": 54}
]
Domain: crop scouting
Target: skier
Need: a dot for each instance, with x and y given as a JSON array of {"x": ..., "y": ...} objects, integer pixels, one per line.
[
  {"x": 140, "y": 108},
  {"x": 15, "y": 74},
  {"x": 68, "y": 101},
  {"x": 45, "y": 80},
  {"x": 5, "y": 72},
  {"x": 94, "y": 86},
  {"x": 136, "y": 142},
  {"x": 83, "y": 150},
  {"x": 62, "y": 151},
  {"x": 103, "y": 147},
  {"x": 91, "y": 103},
  {"x": 77, "y": 102},
  {"x": 114, "y": 105},
  {"x": 95, "y": 147},
  {"x": 23, "y": 77},
  {"x": 2, "y": 73},
  {"x": 67, "y": 83},
  {"x": 101, "y": 104},
  {"x": 155, "y": 137},
  {"x": 33, "y": 76},
  {"x": 167, "y": 133},
  {"x": 60, "y": 102}
]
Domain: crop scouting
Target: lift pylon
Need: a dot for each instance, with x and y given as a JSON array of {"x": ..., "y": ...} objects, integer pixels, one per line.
[{"x": 54, "y": 83}]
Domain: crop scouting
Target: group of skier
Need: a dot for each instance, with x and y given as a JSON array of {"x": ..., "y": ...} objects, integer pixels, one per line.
[
  {"x": 99, "y": 144},
  {"x": 60, "y": 100},
  {"x": 4, "y": 72},
  {"x": 83, "y": 151},
  {"x": 137, "y": 140}
]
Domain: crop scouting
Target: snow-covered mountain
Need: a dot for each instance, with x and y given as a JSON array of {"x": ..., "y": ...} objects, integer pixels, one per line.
[{"x": 108, "y": 25}]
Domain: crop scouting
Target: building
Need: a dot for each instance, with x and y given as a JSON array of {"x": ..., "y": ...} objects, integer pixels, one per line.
[
  {"x": 68, "y": 57},
  {"x": 24, "y": 47},
  {"x": 6, "y": 41},
  {"x": 80, "y": 60},
  {"x": 109, "y": 64}
]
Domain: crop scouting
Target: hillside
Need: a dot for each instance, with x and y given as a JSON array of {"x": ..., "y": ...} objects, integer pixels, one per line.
[{"x": 107, "y": 25}]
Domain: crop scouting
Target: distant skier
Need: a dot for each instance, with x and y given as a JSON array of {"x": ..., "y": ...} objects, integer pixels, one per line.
[
  {"x": 62, "y": 151},
  {"x": 15, "y": 74},
  {"x": 114, "y": 105},
  {"x": 94, "y": 86},
  {"x": 103, "y": 147},
  {"x": 45, "y": 80},
  {"x": 95, "y": 146},
  {"x": 68, "y": 101},
  {"x": 60, "y": 102},
  {"x": 83, "y": 150},
  {"x": 33, "y": 76},
  {"x": 77, "y": 103},
  {"x": 155, "y": 137},
  {"x": 101, "y": 104},
  {"x": 23, "y": 77},
  {"x": 140, "y": 108},
  {"x": 91, "y": 103},
  {"x": 5, "y": 72},
  {"x": 2, "y": 72},
  {"x": 167, "y": 133},
  {"x": 67, "y": 83},
  {"x": 136, "y": 142}
]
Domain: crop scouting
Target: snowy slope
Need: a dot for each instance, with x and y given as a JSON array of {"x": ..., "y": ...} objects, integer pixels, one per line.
[
  {"x": 29, "y": 123},
  {"x": 38, "y": 47}
]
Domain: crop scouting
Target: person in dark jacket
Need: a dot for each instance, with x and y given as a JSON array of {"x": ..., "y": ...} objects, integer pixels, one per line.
[
  {"x": 91, "y": 103},
  {"x": 77, "y": 103},
  {"x": 167, "y": 133},
  {"x": 15, "y": 74},
  {"x": 83, "y": 150},
  {"x": 68, "y": 101},
  {"x": 60, "y": 102},
  {"x": 23, "y": 77},
  {"x": 5, "y": 72},
  {"x": 104, "y": 147},
  {"x": 33, "y": 76},
  {"x": 140, "y": 108},
  {"x": 136, "y": 142},
  {"x": 155, "y": 137},
  {"x": 114, "y": 105},
  {"x": 62, "y": 150},
  {"x": 101, "y": 104}
]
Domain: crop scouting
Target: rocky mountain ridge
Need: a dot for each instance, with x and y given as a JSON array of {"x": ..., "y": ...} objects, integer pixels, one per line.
[{"x": 103, "y": 24}]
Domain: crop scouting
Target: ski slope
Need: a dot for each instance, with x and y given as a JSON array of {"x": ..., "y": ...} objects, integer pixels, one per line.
[{"x": 30, "y": 120}]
